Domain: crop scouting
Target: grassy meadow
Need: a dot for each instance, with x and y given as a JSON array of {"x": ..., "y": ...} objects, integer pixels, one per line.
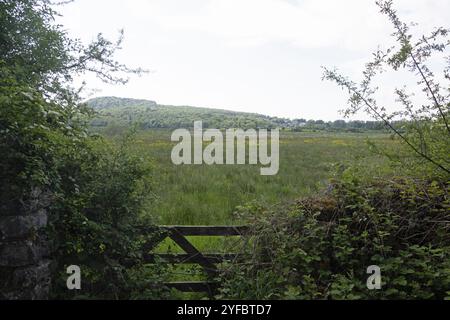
[{"x": 209, "y": 194}]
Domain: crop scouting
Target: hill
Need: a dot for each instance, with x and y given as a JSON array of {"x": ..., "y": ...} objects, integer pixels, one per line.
[
  {"x": 121, "y": 112},
  {"x": 149, "y": 114}
]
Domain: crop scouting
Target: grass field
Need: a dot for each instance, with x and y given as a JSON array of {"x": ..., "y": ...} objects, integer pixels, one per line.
[{"x": 208, "y": 195}]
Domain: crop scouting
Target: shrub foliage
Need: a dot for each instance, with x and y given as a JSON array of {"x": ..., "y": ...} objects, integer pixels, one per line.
[{"x": 320, "y": 247}]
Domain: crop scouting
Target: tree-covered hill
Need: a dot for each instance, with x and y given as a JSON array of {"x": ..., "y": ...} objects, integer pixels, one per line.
[
  {"x": 149, "y": 114},
  {"x": 114, "y": 111}
]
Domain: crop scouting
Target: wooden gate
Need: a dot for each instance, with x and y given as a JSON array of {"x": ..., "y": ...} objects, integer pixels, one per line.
[{"x": 193, "y": 256}]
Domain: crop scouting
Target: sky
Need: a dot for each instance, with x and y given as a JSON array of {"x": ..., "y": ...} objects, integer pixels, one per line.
[{"x": 262, "y": 56}]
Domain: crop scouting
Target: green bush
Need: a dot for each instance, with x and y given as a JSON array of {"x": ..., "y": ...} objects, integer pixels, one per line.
[
  {"x": 320, "y": 248},
  {"x": 97, "y": 193},
  {"x": 102, "y": 226},
  {"x": 35, "y": 135},
  {"x": 94, "y": 193}
]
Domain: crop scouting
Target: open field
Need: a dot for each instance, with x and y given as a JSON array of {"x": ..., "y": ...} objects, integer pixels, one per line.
[{"x": 208, "y": 195}]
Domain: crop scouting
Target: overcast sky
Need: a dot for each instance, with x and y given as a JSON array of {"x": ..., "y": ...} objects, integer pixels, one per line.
[{"x": 248, "y": 55}]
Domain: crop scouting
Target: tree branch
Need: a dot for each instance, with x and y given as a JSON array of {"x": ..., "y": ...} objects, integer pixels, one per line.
[{"x": 388, "y": 124}]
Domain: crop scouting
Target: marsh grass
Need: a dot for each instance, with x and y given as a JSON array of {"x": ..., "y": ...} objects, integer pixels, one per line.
[{"x": 209, "y": 195}]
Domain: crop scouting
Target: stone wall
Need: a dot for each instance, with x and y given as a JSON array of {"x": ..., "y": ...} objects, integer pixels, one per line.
[{"x": 24, "y": 263}]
